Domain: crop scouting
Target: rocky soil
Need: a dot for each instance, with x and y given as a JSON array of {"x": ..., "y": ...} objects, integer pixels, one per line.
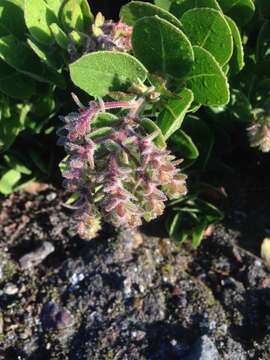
[{"x": 129, "y": 297}]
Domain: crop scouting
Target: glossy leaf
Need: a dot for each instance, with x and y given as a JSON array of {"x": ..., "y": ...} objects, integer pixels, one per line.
[
  {"x": 208, "y": 29},
  {"x": 136, "y": 10},
  {"x": 207, "y": 81},
  {"x": 241, "y": 11},
  {"x": 101, "y": 72},
  {"x": 179, "y": 7},
  {"x": 162, "y": 47},
  {"x": 171, "y": 118},
  {"x": 237, "y": 61}
]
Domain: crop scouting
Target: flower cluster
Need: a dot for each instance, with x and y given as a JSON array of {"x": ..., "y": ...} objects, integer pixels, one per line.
[
  {"x": 259, "y": 132},
  {"x": 122, "y": 176},
  {"x": 109, "y": 35}
]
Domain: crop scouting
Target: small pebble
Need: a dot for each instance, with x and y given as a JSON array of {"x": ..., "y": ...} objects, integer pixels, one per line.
[
  {"x": 54, "y": 316},
  {"x": 10, "y": 289},
  {"x": 35, "y": 257},
  {"x": 1, "y": 324}
]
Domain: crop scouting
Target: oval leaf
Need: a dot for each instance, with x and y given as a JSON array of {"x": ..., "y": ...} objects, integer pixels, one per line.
[
  {"x": 179, "y": 7},
  {"x": 164, "y": 4},
  {"x": 171, "y": 118},
  {"x": 151, "y": 127},
  {"x": 162, "y": 47},
  {"x": 18, "y": 55},
  {"x": 241, "y": 11},
  {"x": 183, "y": 143},
  {"x": 72, "y": 16},
  {"x": 136, "y": 10},
  {"x": 38, "y": 17},
  {"x": 60, "y": 36},
  {"x": 104, "y": 71},
  {"x": 208, "y": 28},
  {"x": 12, "y": 19},
  {"x": 15, "y": 84},
  {"x": 237, "y": 60},
  {"x": 207, "y": 81},
  {"x": 47, "y": 55}
]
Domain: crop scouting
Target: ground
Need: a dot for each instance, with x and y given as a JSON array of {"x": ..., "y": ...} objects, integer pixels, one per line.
[{"x": 131, "y": 296}]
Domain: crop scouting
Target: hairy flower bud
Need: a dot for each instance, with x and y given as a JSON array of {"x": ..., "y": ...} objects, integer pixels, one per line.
[{"x": 121, "y": 174}]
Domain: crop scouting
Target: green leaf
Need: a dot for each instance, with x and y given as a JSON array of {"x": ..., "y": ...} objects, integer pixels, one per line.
[
  {"x": 208, "y": 28},
  {"x": 207, "y": 81},
  {"x": 38, "y": 18},
  {"x": 20, "y": 57},
  {"x": 12, "y": 19},
  {"x": 151, "y": 127},
  {"x": 15, "y": 84},
  {"x": 55, "y": 6},
  {"x": 87, "y": 14},
  {"x": 175, "y": 228},
  {"x": 171, "y": 118},
  {"x": 202, "y": 136},
  {"x": 237, "y": 61},
  {"x": 136, "y": 10},
  {"x": 179, "y": 7},
  {"x": 72, "y": 16},
  {"x": 12, "y": 125},
  {"x": 162, "y": 47},
  {"x": 49, "y": 56},
  {"x": 164, "y": 4},
  {"x": 104, "y": 71},
  {"x": 198, "y": 233},
  {"x": 211, "y": 213},
  {"x": 241, "y": 11},
  {"x": 73, "y": 198},
  {"x": 104, "y": 119},
  {"x": 100, "y": 132},
  {"x": 183, "y": 143},
  {"x": 8, "y": 181},
  {"x": 16, "y": 54},
  {"x": 60, "y": 36},
  {"x": 15, "y": 164}
]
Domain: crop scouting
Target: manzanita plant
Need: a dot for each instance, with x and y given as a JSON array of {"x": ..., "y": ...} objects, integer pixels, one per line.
[{"x": 150, "y": 90}]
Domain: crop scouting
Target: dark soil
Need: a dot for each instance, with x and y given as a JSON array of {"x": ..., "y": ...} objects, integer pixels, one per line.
[{"x": 120, "y": 298}]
